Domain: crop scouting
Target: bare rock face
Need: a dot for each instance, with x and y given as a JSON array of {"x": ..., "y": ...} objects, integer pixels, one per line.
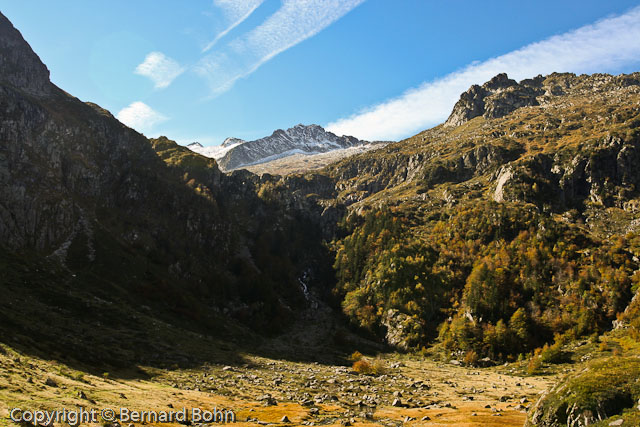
[
  {"x": 496, "y": 98},
  {"x": 402, "y": 329},
  {"x": 470, "y": 105},
  {"x": 20, "y": 67},
  {"x": 504, "y": 176},
  {"x": 61, "y": 172},
  {"x": 606, "y": 176}
]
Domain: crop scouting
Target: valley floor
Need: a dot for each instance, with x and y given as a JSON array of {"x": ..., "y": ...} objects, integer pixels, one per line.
[{"x": 262, "y": 391}]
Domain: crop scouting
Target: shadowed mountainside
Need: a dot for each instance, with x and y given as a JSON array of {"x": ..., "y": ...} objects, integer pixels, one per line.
[{"x": 98, "y": 230}]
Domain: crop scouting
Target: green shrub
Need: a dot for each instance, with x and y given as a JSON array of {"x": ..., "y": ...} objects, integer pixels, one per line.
[
  {"x": 535, "y": 365},
  {"x": 552, "y": 353},
  {"x": 607, "y": 387}
]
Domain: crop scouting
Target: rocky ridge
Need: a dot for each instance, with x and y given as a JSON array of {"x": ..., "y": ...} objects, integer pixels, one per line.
[
  {"x": 497, "y": 98},
  {"x": 504, "y": 130},
  {"x": 21, "y": 67}
]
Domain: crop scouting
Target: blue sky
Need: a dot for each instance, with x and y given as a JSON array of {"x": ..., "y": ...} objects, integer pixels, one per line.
[{"x": 204, "y": 70}]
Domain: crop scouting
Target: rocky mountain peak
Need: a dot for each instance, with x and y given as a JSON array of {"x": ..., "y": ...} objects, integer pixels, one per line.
[
  {"x": 195, "y": 145},
  {"x": 495, "y": 98},
  {"x": 311, "y": 127},
  {"x": 500, "y": 81},
  {"x": 21, "y": 67},
  {"x": 300, "y": 139}
]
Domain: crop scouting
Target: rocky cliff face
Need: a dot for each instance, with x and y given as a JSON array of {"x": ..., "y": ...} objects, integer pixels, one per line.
[
  {"x": 607, "y": 176},
  {"x": 496, "y": 98},
  {"x": 65, "y": 163},
  {"x": 21, "y": 67},
  {"x": 556, "y": 141}
]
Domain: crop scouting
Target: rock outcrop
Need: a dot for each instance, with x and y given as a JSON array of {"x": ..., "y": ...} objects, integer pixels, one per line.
[
  {"x": 607, "y": 176},
  {"x": 496, "y": 98},
  {"x": 402, "y": 330}
]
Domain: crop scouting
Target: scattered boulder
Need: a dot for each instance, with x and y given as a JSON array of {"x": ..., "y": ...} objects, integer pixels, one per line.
[
  {"x": 267, "y": 400},
  {"x": 486, "y": 362}
]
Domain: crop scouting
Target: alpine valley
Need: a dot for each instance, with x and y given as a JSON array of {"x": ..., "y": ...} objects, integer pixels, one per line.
[{"x": 482, "y": 272}]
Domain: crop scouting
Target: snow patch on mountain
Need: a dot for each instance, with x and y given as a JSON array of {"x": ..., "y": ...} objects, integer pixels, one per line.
[{"x": 217, "y": 151}]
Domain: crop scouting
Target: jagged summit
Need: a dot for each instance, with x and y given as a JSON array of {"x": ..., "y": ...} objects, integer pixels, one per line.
[
  {"x": 496, "y": 98},
  {"x": 502, "y": 95},
  {"x": 300, "y": 139},
  {"x": 195, "y": 145},
  {"x": 235, "y": 153},
  {"x": 20, "y": 67}
]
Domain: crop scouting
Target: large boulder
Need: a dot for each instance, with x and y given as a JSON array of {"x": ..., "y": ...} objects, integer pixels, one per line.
[{"x": 403, "y": 331}]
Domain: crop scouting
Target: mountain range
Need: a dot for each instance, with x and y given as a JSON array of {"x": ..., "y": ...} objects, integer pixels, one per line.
[{"x": 235, "y": 153}]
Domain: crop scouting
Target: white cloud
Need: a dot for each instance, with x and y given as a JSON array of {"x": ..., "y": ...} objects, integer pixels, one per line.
[
  {"x": 236, "y": 12},
  {"x": 140, "y": 116},
  {"x": 294, "y": 22},
  {"x": 606, "y": 45},
  {"x": 161, "y": 69}
]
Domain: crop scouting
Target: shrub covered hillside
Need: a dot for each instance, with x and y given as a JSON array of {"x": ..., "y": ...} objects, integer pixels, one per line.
[
  {"x": 512, "y": 225},
  {"x": 496, "y": 279}
]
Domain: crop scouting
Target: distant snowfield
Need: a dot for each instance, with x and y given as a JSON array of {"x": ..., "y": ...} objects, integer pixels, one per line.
[
  {"x": 215, "y": 152},
  {"x": 306, "y": 162},
  {"x": 292, "y": 161}
]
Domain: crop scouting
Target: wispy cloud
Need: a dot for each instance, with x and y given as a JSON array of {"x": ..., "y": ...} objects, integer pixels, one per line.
[
  {"x": 161, "y": 69},
  {"x": 140, "y": 116},
  {"x": 294, "y": 22},
  {"x": 606, "y": 45},
  {"x": 236, "y": 12}
]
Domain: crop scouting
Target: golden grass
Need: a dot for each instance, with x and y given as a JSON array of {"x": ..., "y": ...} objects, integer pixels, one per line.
[{"x": 447, "y": 384}]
